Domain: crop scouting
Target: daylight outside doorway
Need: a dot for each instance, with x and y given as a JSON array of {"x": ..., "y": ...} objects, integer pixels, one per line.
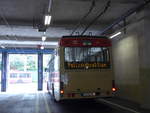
[{"x": 22, "y": 73}]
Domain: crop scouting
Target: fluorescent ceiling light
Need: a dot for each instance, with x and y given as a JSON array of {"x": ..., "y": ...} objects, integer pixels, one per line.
[
  {"x": 47, "y": 20},
  {"x": 3, "y": 47},
  {"x": 42, "y": 47},
  {"x": 115, "y": 35},
  {"x": 43, "y": 38}
]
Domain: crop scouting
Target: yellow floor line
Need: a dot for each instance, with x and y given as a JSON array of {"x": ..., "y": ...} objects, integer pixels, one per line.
[{"x": 46, "y": 104}]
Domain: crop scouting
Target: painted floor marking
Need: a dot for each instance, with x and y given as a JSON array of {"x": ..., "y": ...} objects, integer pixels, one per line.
[
  {"x": 37, "y": 103},
  {"x": 119, "y": 106},
  {"x": 46, "y": 103}
]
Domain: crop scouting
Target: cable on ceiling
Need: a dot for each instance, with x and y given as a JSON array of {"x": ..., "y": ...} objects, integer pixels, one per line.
[
  {"x": 97, "y": 17},
  {"x": 84, "y": 17},
  {"x": 49, "y": 6},
  {"x": 125, "y": 15},
  {"x": 7, "y": 24}
]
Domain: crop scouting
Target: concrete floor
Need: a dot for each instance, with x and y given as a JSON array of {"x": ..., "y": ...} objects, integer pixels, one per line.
[
  {"x": 41, "y": 102},
  {"x": 24, "y": 88}
]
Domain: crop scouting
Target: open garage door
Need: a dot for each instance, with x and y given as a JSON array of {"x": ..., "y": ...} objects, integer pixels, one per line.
[{"x": 22, "y": 73}]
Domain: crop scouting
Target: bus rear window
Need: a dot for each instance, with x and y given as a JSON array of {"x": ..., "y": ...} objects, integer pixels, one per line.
[{"x": 93, "y": 57}]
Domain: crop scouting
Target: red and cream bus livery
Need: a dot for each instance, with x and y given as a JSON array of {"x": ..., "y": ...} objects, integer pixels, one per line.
[{"x": 81, "y": 68}]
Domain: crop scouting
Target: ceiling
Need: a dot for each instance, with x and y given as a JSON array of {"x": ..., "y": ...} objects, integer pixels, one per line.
[{"x": 21, "y": 21}]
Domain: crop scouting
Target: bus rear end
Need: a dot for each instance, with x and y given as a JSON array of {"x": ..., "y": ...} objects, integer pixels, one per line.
[{"x": 85, "y": 68}]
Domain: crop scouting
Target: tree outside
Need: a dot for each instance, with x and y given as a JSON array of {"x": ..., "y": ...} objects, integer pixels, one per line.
[
  {"x": 31, "y": 63},
  {"x": 23, "y": 62}
]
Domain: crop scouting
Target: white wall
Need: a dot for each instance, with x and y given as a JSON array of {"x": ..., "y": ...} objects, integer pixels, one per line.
[{"x": 131, "y": 57}]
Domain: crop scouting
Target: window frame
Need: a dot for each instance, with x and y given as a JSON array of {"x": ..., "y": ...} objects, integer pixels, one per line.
[{"x": 107, "y": 59}]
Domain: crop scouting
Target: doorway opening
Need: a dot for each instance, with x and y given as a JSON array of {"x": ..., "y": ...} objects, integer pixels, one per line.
[{"x": 22, "y": 73}]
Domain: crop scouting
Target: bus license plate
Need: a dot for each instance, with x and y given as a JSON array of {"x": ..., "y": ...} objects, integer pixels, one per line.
[{"x": 87, "y": 94}]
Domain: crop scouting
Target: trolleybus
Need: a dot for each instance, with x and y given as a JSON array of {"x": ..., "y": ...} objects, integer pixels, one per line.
[{"x": 81, "y": 68}]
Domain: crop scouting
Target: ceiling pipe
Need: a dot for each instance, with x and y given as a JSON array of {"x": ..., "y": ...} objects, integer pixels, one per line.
[{"x": 125, "y": 15}]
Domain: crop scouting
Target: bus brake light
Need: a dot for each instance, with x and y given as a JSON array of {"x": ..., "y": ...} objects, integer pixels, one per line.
[
  {"x": 113, "y": 89},
  {"x": 113, "y": 86},
  {"x": 62, "y": 92}
]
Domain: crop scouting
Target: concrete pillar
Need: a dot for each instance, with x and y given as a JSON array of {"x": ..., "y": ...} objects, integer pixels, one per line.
[
  {"x": 4, "y": 71},
  {"x": 40, "y": 71}
]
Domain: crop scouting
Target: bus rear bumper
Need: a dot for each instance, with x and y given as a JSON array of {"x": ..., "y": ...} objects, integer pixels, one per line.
[{"x": 74, "y": 96}]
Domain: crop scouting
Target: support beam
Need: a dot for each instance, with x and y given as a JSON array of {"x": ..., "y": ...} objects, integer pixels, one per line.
[
  {"x": 4, "y": 72},
  {"x": 26, "y": 51},
  {"x": 40, "y": 71}
]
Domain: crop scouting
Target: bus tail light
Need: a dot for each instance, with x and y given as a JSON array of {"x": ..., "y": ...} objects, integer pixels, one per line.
[
  {"x": 62, "y": 92},
  {"x": 61, "y": 88},
  {"x": 113, "y": 89},
  {"x": 113, "y": 86}
]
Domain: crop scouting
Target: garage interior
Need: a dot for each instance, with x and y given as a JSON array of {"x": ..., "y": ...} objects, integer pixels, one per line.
[{"x": 22, "y": 28}]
